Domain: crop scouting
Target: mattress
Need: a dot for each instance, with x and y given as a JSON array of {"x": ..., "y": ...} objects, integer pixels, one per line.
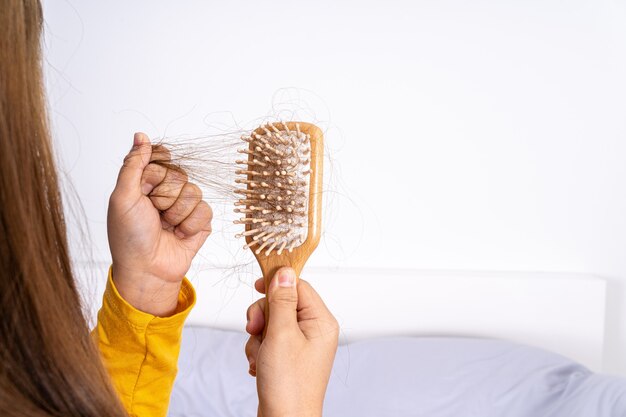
[{"x": 419, "y": 376}]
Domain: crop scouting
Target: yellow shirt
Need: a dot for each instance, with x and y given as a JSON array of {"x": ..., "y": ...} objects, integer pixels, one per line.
[{"x": 140, "y": 350}]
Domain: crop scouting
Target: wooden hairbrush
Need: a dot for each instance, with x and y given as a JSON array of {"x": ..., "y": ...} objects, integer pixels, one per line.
[{"x": 281, "y": 194}]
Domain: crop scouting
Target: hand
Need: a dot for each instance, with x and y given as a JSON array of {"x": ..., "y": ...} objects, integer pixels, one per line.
[
  {"x": 293, "y": 362},
  {"x": 156, "y": 222}
]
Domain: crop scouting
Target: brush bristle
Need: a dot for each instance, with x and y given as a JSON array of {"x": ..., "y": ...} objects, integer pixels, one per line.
[{"x": 275, "y": 200}]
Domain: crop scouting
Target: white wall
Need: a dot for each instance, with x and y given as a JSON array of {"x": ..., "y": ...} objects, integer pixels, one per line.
[{"x": 467, "y": 135}]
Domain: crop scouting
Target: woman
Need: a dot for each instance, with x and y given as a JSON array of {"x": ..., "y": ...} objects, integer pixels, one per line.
[{"x": 49, "y": 363}]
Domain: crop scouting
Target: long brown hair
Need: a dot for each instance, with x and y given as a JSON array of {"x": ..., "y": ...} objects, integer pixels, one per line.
[{"x": 49, "y": 365}]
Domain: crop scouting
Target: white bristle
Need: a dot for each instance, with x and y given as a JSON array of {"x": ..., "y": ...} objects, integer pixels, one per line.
[
  {"x": 271, "y": 248},
  {"x": 265, "y": 243},
  {"x": 282, "y": 247},
  {"x": 251, "y": 244},
  {"x": 276, "y": 198}
]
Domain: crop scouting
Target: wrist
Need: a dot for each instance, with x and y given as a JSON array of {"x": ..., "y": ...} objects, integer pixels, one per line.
[{"x": 146, "y": 292}]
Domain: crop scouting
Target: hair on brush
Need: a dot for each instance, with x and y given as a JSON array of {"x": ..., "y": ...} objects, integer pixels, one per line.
[{"x": 280, "y": 197}]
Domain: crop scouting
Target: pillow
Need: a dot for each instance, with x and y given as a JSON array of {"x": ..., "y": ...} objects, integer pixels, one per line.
[{"x": 421, "y": 376}]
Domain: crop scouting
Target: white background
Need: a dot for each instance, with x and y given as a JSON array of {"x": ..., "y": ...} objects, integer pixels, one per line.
[{"x": 484, "y": 135}]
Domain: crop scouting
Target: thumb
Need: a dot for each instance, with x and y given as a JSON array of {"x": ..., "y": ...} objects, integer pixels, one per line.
[
  {"x": 129, "y": 179},
  {"x": 282, "y": 300}
]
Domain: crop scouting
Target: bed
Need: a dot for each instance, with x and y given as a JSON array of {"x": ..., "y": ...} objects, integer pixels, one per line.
[{"x": 437, "y": 344}]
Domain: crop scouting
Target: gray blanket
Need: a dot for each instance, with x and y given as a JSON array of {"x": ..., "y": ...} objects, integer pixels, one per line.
[{"x": 402, "y": 377}]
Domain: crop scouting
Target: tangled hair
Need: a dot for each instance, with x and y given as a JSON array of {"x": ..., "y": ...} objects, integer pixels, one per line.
[{"x": 49, "y": 366}]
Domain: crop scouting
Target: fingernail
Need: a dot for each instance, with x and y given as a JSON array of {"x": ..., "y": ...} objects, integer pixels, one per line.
[
  {"x": 287, "y": 277},
  {"x": 137, "y": 139}
]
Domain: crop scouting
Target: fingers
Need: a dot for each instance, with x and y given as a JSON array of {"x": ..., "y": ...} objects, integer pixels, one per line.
[
  {"x": 129, "y": 178},
  {"x": 180, "y": 202},
  {"x": 154, "y": 173},
  {"x": 152, "y": 176},
  {"x": 308, "y": 299},
  {"x": 186, "y": 202},
  {"x": 256, "y": 317},
  {"x": 316, "y": 321},
  {"x": 252, "y": 352},
  {"x": 283, "y": 302},
  {"x": 310, "y": 309},
  {"x": 310, "y": 304},
  {"x": 166, "y": 192},
  {"x": 160, "y": 154},
  {"x": 199, "y": 220},
  {"x": 259, "y": 285},
  {"x": 256, "y": 323}
]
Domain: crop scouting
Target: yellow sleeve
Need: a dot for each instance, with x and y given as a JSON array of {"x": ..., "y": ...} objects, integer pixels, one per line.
[{"x": 140, "y": 350}]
